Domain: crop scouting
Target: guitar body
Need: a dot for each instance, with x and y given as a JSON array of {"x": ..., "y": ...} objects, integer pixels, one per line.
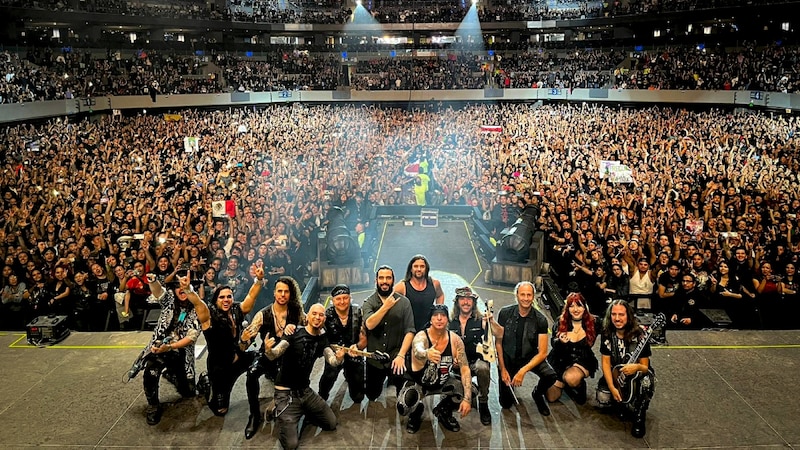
[
  {"x": 626, "y": 385},
  {"x": 486, "y": 347},
  {"x": 487, "y": 350}
]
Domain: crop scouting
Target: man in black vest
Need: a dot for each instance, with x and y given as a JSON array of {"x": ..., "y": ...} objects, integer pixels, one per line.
[
  {"x": 343, "y": 327},
  {"x": 467, "y": 323},
  {"x": 522, "y": 342},
  {"x": 420, "y": 289}
]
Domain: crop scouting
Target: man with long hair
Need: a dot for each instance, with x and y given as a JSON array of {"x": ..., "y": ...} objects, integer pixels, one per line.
[
  {"x": 572, "y": 357},
  {"x": 467, "y": 322},
  {"x": 172, "y": 344},
  {"x": 620, "y": 336},
  {"x": 221, "y": 322},
  {"x": 278, "y": 320},
  {"x": 420, "y": 289}
]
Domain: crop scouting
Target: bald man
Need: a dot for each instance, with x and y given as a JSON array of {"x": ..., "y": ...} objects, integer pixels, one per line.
[{"x": 294, "y": 397}]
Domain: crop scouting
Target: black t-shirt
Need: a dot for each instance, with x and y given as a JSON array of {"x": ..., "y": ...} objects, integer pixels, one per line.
[
  {"x": 222, "y": 341},
  {"x": 298, "y": 359}
]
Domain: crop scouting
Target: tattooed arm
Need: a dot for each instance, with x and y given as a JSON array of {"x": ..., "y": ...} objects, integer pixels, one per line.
[
  {"x": 466, "y": 376},
  {"x": 420, "y": 351}
]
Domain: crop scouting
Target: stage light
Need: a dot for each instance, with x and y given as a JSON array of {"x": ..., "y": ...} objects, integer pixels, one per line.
[{"x": 515, "y": 243}]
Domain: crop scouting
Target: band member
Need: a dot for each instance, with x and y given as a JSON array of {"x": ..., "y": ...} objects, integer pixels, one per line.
[
  {"x": 294, "y": 397},
  {"x": 572, "y": 357},
  {"x": 172, "y": 345},
  {"x": 279, "y": 319},
  {"x": 621, "y": 334},
  {"x": 521, "y": 333},
  {"x": 420, "y": 289},
  {"x": 221, "y": 322},
  {"x": 437, "y": 353},
  {"x": 467, "y": 323},
  {"x": 343, "y": 325},
  {"x": 389, "y": 325}
]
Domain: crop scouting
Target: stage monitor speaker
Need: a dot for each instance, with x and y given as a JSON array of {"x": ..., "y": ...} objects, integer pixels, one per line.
[{"x": 47, "y": 330}]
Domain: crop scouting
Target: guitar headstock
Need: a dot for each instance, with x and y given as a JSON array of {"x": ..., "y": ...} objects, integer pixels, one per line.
[
  {"x": 381, "y": 356},
  {"x": 659, "y": 321}
]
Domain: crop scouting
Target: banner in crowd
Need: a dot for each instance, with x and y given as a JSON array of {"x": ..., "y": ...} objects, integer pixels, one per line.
[
  {"x": 616, "y": 172},
  {"x": 191, "y": 144},
  {"x": 223, "y": 208},
  {"x": 172, "y": 117},
  {"x": 694, "y": 227},
  {"x": 491, "y": 129}
]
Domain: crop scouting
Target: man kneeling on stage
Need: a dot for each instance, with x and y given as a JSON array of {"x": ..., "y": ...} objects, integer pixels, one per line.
[
  {"x": 294, "y": 397},
  {"x": 171, "y": 349},
  {"x": 436, "y": 351}
]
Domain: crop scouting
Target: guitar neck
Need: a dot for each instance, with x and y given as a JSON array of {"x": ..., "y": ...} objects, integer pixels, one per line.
[
  {"x": 363, "y": 353},
  {"x": 638, "y": 350}
]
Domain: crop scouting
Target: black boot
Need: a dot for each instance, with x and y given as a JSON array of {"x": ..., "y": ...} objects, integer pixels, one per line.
[
  {"x": 253, "y": 424},
  {"x": 204, "y": 386},
  {"x": 578, "y": 394},
  {"x": 415, "y": 419},
  {"x": 153, "y": 414},
  {"x": 444, "y": 412},
  {"x": 541, "y": 402},
  {"x": 486, "y": 415},
  {"x": 639, "y": 419}
]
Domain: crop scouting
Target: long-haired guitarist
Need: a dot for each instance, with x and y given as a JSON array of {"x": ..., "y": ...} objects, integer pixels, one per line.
[
  {"x": 621, "y": 337},
  {"x": 467, "y": 322}
]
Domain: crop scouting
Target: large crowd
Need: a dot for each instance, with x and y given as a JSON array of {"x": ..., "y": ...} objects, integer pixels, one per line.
[
  {"x": 339, "y": 12},
  {"x": 714, "y": 181},
  {"x": 48, "y": 74}
]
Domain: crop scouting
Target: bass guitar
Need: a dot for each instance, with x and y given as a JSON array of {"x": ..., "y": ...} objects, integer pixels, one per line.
[
  {"x": 376, "y": 355},
  {"x": 486, "y": 347},
  {"x": 628, "y": 384},
  {"x": 138, "y": 365}
]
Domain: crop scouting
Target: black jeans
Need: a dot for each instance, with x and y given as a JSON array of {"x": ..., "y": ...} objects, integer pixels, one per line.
[
  {"x": 261, "y": 366},
  {"x": 173, "y": 361},
  {"x": 222, "y": 378},
  {"x": 547, "y": 376},
  {"x": 290, "y": 406},
  {"x": 353, "y": 374},
  {"x": 376, "y": 377}
]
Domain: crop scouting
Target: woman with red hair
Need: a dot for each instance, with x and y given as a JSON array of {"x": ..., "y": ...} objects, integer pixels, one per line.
[{"x": 572, "y": 357}]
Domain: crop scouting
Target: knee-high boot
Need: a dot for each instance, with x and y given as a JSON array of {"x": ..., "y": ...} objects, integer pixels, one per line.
[{"x": 639, "y": 417}]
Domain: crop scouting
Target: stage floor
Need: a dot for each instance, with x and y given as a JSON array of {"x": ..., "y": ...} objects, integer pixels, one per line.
[{"x": 734, "y": 389}]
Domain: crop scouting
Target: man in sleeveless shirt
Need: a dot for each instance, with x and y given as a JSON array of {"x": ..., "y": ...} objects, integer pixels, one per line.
[
  {"x": 278, "y": 320},
  {"x": 420, "y": 289},
  {"x": 438, "y": 358}
]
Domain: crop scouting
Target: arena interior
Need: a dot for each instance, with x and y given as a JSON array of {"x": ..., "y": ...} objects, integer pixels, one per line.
[{"x": 559, "y": 142}]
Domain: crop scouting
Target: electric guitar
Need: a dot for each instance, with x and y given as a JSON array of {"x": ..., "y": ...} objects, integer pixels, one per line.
[
  {"x": 486, "y": 347},
  {"x": 138, "y": 365},
  {"x": 625, "y": 384},
  {"x": 376, "y": 355}
]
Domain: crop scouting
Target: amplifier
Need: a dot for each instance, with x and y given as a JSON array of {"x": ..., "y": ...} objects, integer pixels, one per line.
[{"x": 47, "y": 330}]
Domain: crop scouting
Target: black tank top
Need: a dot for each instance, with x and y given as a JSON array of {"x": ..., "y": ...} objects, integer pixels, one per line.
[
  {"x": 443, "y": 370},
  {"x": 421, "y": 302}
]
